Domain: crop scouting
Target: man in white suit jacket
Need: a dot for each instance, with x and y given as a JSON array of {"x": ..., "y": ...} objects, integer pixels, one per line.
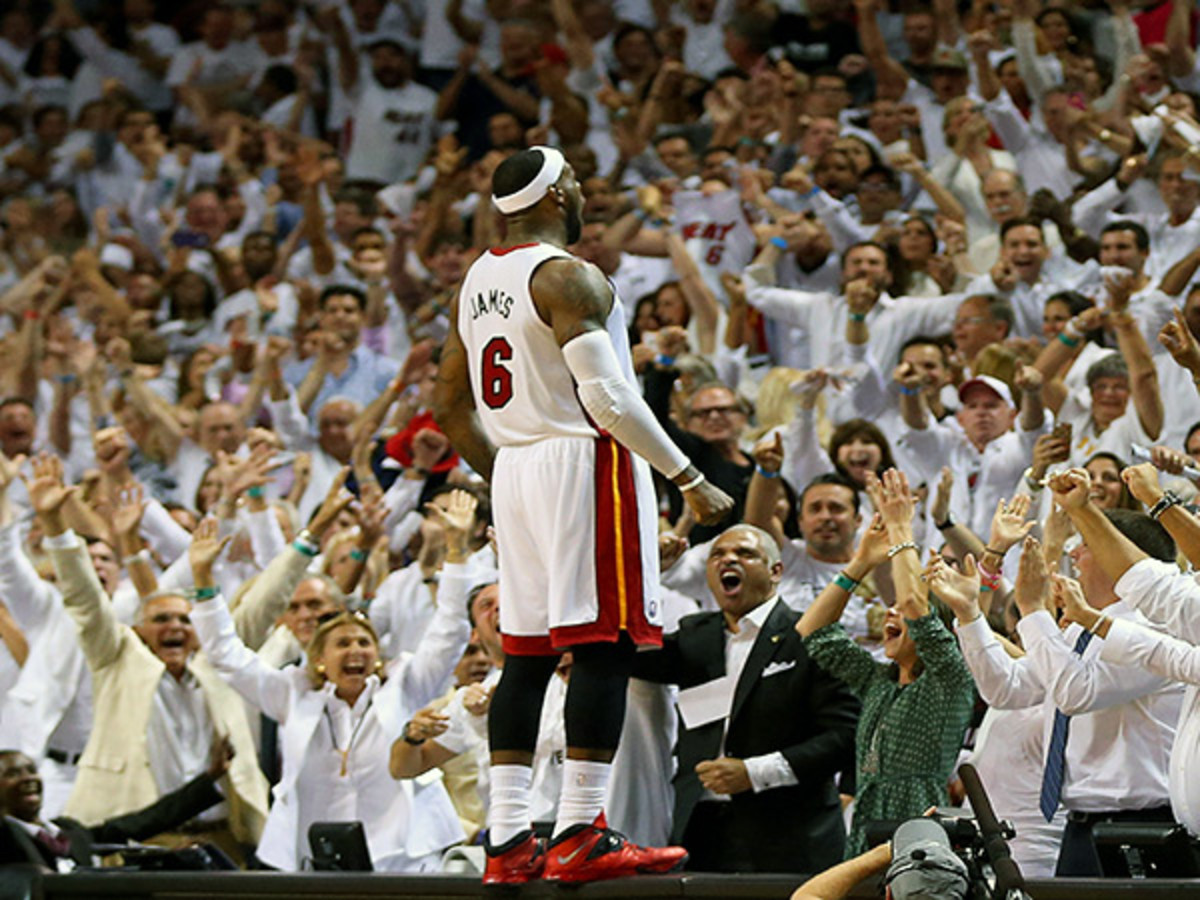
[{"x": 156, "y": 702}]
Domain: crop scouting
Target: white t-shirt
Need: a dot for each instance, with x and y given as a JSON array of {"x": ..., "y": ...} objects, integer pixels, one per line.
[{"x": 391, "y": 130}]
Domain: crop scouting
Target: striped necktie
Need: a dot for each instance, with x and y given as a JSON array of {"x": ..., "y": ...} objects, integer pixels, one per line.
[{"x": 1056, "y": 756}]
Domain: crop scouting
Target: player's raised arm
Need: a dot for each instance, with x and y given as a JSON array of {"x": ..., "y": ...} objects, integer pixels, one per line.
[
  {"x": 454, "y": 404},
  {"x": 574, "y": 298}
]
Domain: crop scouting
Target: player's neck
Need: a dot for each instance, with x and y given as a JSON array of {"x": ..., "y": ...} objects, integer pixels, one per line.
[{"x": 533, "y": 231}]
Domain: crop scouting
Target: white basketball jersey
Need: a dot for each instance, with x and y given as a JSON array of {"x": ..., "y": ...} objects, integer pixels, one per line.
[
  {"x": 523, "y": 389},
  {"x": 716, "y": 234}
]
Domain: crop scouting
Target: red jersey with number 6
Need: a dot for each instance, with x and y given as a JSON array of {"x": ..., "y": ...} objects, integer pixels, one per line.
[{"x": 523, "y": 389}]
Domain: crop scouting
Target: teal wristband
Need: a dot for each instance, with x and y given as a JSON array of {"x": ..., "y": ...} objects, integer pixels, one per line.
[
  {"x": 302, "y": 546},
  {"x": 907, "y": 391},
  {"x": 845, "y": 582},
  {"x": 779, "y": 242},
  {"x": 205, "y": 593},
  {"x": 1069, "y": 341},
  {"x": 254, "y": 492},
  {"x": 358, "y": 554},
  {"x": 857, "y": 317},
  {"x": 764, "y": 473}
]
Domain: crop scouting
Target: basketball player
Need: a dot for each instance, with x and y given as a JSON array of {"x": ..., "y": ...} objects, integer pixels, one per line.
[{"x": 536, "y": 390}]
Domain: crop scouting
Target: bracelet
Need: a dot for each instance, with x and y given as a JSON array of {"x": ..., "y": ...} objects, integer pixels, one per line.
[
  {"x": 1032, "y": 483},
  {"x": 32, "y": 314},
  {"x": 69, "y": 378},
  {"x": 305, "y": 544},
  {"x": 908, "y": 391},
  {"x": 694, "y": 483},
  {"x": 990, "y": 549},
  {"x": 986, "y": 587},
  {"x": 1096, "y": 625},
  {"x": 1165, "y": 502},
  {"x": 665, "y": 361},
  {"x": 857, "y": 317},
  {"x": 777, "y": 241},
  {"x": 205, "y": 593},
  {"x": 358, "y": 554},
  {"x": 900, "y": 548},
  {"x": 764, "y": 473},
  {"x": 989, "y": 578},
  {"x": 410, "y": 740},
  {"x": 1069, "y": 341},
  {"x": 845, "y": 582},
  {"x": 942, "y": 526},
  {"x": 255, "y": 492}
]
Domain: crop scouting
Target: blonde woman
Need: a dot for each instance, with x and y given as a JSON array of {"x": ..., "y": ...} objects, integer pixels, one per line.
[{"x": 338, "y": 718}]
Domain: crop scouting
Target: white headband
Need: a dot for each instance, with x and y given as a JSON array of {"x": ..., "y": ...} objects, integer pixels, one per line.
[{"x": 552, "y": 166}]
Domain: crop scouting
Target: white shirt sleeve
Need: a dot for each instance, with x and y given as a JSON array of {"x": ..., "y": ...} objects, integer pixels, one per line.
[
  {"x": 1003, "y": 682},
  {"x": 769, "y": 771},
  {"x": 1079, "y": 684}
]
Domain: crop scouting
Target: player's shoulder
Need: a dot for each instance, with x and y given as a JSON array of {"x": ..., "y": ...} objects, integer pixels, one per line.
[{"x": 569, "y": 272}]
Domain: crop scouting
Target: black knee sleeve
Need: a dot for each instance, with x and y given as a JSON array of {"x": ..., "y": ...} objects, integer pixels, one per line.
[
  {"x": 596, "y": 694},
  {"x": 516, "y": 707}
]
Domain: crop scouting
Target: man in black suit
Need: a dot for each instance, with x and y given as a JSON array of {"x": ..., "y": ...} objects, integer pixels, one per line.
[
  {"x": 764, "y": 730},
  {"x": 25, "y": 838}
]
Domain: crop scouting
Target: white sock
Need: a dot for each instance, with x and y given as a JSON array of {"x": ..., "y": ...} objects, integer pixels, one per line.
[
  {"x": 584, "y": 785},
  {"x": 508, "y": 811}
]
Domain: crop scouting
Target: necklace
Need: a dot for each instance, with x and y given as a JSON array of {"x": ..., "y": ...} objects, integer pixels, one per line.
[{"x": 345, "y": 754}]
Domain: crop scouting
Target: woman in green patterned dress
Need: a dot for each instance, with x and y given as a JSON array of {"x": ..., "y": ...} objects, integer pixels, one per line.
[{"x": 916, "y": 708}]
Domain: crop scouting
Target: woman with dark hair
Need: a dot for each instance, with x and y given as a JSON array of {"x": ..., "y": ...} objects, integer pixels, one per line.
[
  {"x": 49, "y": 68},
  {"x": 1064, "y": 317},
  {"x": 916, "y": 706},
  {"x": 916, "y": 246},
  {"x": 1109, "y": 491},
  {"x": 857, "y": 447},
  {"x": 192, "y": 299}
]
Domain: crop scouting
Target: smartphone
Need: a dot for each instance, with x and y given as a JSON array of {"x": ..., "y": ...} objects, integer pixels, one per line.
[
  {"x": 193, "y": 239},
  {"x": 1062, "y": 431}
]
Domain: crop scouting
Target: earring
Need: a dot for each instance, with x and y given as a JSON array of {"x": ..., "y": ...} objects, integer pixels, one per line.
[
  {"x": 379, "y": 665},
  {"x": 321, "y": 669}
]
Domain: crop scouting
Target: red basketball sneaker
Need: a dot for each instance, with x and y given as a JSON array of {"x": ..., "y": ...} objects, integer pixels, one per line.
[
  {"x": 516, "y": 861},
  {"x": 596, "y": 852}
]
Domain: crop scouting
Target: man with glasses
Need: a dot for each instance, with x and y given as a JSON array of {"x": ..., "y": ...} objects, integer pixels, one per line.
[{"x": 715, "y": 418}]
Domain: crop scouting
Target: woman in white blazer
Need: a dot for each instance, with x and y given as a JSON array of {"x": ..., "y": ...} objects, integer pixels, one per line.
[{"x": 338, "y": 717}]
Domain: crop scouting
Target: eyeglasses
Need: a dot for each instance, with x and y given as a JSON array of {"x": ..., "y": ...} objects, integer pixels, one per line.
[
  {"x": 721, "y": 410},
  {"x": 971, "y": 320}
]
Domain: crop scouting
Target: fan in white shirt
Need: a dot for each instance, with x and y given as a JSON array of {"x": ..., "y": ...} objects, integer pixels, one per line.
[
  {"x": 1121, "y": 722},
  {"x": 979, "y": 445},
  {"x": 1169, "y": 598}
]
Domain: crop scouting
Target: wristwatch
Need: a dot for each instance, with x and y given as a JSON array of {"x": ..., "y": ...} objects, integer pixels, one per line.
[{"x": 1165, "y": 502}]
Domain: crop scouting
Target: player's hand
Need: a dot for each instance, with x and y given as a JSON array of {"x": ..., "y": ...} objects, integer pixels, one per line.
[{"x": 708, "y": 503}]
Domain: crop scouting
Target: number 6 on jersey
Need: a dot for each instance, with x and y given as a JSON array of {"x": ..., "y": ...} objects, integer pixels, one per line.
[{"x": 497, "y": 387}]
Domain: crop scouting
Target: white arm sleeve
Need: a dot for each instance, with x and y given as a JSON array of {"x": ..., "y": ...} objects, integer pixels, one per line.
[{"x": 616, "y": 406}]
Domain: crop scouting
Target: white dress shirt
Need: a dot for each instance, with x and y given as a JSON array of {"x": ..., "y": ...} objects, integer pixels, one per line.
[
  {"x": 1041, "y": 160},
  {"x": 820, "y": 318},
  {"x": 179, "y": 736},
  {"x": 769, "y": 770},
  {"x": 1122, "y": 720},
  {"x": 1154, "y": 587}
]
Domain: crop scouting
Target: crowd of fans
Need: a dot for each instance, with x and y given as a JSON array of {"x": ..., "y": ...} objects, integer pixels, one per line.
[{"x": 900, "y": 278}]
